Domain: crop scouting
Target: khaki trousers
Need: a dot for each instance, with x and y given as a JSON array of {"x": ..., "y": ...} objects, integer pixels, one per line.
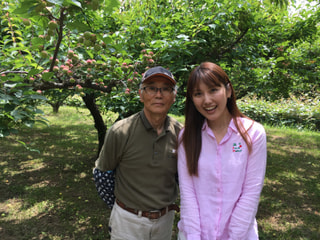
[
  {"x": 181, "y": 236},
  {"x": 124, "y": 225}
]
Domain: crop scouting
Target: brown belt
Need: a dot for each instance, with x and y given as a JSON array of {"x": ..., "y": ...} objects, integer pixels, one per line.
[{"x": 154, "y": 214}]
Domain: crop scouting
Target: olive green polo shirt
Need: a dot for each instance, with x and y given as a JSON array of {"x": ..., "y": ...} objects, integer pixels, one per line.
[{"x": 145, "y": 162}]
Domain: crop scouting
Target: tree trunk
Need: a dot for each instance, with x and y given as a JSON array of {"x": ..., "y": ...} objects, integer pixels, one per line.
[
  {"x": 90, "y": 101},
  {"x": 55, "y": 106}
]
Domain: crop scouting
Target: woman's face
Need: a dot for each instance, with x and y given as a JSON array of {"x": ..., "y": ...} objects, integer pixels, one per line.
[{"x": 211, "y": 101}]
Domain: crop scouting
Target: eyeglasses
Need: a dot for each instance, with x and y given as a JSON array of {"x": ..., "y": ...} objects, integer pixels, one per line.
[{"x": 153, "y": 90}]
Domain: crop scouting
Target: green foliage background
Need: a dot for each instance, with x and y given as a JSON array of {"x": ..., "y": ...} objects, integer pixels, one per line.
[{"x": 101, "y": 48}]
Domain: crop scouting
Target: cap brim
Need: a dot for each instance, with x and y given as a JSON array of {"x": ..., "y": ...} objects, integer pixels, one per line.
[{"x": 160, "y": 75}]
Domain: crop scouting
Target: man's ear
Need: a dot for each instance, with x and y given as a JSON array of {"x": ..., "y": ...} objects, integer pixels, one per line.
[{"x": 141, "y": 97}]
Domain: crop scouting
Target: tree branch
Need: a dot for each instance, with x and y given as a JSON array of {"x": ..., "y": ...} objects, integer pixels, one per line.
[
  {"x": 6, "y": 72},
  {"x": 67, "y": 85},
  {"x": 222, "y": 52},
  {"x": 60, "y": 36}
]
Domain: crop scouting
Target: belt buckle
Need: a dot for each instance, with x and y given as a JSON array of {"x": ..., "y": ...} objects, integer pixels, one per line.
[{"x": 154, "y": 211}]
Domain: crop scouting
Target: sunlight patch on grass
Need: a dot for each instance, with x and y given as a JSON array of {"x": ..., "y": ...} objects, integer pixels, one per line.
[
  {"x": 281, "y": 223},
  {"x": 80, "y": 176},
  {"x": 41, "y": 184},
  {"x": 277, "y": 151},
  {"x": 32, "y": 165},
  {"x": 16, "y": 210},
  {"x": 11, "y": 208},
  {"x": 37, "y": 210},
  {"x": 290, "y": 175}
]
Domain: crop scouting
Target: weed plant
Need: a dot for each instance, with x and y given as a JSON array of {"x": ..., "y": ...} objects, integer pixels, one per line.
[{"x": 296, "y": 112}]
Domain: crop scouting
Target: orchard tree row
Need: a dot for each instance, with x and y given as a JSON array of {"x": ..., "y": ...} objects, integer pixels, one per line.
[{"x": 99, "y": 49}]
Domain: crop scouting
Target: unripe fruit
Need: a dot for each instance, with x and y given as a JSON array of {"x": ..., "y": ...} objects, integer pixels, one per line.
[
  {"x": 87, "y": 43},
  {"x": 97, "y": 47},
  {"x": 70, "y": 54},
  {"x": 72, "y": 80},
  {"x": 75, "y": 58},
  {"x": 81, "y": 39},
  {"x": 69, "y": 73},
  {"x": 43, "y": 54},
  {"x": 93, "y": 37},
  {"x": 78, "y": 87},
  {"x": 65, "y": 70},
  {"x": 55, "y": 68},
  {"x": 50, "y": 32},
  {"x": 87, "y": 35},
  {"x": 52, "y": 25},
  {"x": 26, "y": 22},
  {"x": 124, "y": 66}
]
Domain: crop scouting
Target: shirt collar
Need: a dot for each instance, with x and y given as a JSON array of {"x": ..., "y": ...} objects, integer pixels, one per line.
[{"x": 148, "y": 126}]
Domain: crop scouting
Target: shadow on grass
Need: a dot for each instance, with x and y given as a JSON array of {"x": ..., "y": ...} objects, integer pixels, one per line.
[
  {"x": 289, "y": 206},
  {"x": 51, "y": 195}
]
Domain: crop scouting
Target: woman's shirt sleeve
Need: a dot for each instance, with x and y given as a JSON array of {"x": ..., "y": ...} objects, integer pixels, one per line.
[
  {"x": 189, "y": 223},
  {"x": 243, "y": 216}
]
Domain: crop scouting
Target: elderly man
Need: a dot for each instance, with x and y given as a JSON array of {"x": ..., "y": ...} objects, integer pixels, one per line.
[{"x": 141, "y": 149}]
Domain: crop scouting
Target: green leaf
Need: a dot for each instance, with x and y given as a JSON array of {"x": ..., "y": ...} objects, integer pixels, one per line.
[
  {"x": 56, "y": 2},
  {"x": 279, "y": 59},
  {"x": 81, "y": 27},
  {"x": 18, "y": 114},
  {"x": 26, "y": 7},
  {"x": 38, "y": 41},
  {"x": 8, "y": 85},
  {"x": 107, "y": 40},
  {"x": 33, "y": 72},
  {"x": 110, "y": 5},
  {"x": 47, "y": 76},
  {"x": 39, "y": 97},
  {"x": 72, "y": 2},
  {"x": 28, "y": 148}
]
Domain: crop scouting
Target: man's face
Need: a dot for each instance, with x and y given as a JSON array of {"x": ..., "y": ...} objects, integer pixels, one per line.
[{"x": 160, "y": 102}]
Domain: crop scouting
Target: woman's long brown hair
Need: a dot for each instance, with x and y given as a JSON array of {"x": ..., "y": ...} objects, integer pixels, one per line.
[{"x": 212, "y": 75}]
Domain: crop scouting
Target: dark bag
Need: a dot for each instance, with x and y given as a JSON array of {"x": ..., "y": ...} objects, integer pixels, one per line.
[{"x": 104, "y": 182}]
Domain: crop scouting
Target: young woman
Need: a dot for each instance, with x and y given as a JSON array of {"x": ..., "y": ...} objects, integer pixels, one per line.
[{"x": 221, "y": 161}]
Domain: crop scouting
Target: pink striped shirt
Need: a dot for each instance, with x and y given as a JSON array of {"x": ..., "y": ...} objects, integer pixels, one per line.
[{"x": 222, "y": 202}]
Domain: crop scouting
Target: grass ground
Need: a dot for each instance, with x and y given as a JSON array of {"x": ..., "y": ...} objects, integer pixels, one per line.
[{"x": 50, "y": 194}]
